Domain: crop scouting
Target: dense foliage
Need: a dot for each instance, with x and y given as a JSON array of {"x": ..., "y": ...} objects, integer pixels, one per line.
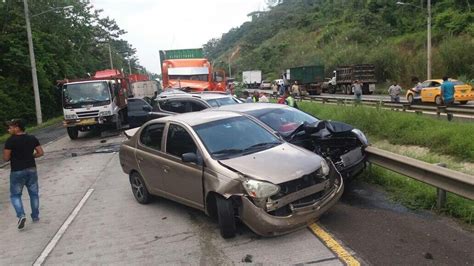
[
  {"x": 335, "y": 32},
  {"x": 68, "y": 43}
]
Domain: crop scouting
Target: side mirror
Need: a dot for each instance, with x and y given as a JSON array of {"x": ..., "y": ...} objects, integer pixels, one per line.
[
  {"x": 189, "y": 157},
  {"x": 147, "y": 108}
]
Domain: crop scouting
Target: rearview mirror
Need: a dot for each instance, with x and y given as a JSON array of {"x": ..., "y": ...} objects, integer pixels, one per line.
[{"x": 189, "y": 157}]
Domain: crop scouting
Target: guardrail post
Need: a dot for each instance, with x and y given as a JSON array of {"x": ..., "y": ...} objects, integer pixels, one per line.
[
  {"x": 339, "y": 101},
  {"x": 441, "y": 193},
  {"x": 324, "y": 100}
]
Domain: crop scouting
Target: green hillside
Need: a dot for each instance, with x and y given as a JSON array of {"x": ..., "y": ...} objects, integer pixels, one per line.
[{"x": 335, "y": 32}]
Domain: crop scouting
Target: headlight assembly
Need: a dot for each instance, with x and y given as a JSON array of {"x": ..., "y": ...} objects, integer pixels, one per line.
[
  {"x": 259, "y": 189},
  {"x": 105, "y": 113},
  {"x": 324, "y": 170},
  {"x": 70, "y": 116},
  {"x": 361, "y": 136}
]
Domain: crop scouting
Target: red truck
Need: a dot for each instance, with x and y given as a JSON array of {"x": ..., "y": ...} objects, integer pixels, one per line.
[{"x": 188, "y": 69}]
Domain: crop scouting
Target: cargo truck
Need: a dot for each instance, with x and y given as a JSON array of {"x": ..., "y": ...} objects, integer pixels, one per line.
[
  {"x": 252, "y": 78},
  {"x": 345, "y": 76},
  {"x": 309, "y": 78},
  {"x": 187, "y": 69},
  {"x": 95, "y": 103}
]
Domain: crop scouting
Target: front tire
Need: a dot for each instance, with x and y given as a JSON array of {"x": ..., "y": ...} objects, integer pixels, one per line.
[
  {"x": 226, "y": 217},
  {"x": 73, "y": 132},
  {"x": 139, "y": 190}
]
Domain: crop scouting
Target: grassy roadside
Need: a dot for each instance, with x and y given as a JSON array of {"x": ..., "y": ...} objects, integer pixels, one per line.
[
  {"x": 389, "y": 130},
  {"x": 441, "y": 136},
  {"x": 31, "y": 129}
]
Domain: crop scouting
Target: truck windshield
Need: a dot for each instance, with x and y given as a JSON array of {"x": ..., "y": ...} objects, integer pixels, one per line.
[
  {"x": 202, "y": 77},
  {"x": 95, "y": 93}
]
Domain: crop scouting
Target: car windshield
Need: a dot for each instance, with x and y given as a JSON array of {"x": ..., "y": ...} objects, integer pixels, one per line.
[
  {"x": 203, "y": 77},
  {"x": 234, "y": 137},
  {"x": 283, "y": 120},
  {"x": 221, "y": 101},
  {"x": 86, "y": 93}
]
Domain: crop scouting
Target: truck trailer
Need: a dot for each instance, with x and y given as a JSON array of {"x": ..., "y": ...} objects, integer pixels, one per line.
[
  {"x": 252, "y": 78},
  {"x": 309, "y": 78},
  {"x": 345, "y": 76},
  {"x": 187, "y": 69}
]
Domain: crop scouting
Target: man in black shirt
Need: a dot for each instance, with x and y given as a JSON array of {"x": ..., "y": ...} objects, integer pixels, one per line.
[{"x": 21, "y": 150}]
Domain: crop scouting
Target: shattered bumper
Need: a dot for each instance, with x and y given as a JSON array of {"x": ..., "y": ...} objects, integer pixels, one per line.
[{"x": 266, "y": 224}]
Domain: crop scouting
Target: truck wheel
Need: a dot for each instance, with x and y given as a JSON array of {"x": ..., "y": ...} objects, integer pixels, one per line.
[
  {"x": 73, "y": 132},
  {"x": 438, "y": 100},
  {"x": 226, "y": 217}
]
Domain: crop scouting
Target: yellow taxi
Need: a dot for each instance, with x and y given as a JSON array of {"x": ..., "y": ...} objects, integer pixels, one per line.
[{"x": 431, "y": 92}]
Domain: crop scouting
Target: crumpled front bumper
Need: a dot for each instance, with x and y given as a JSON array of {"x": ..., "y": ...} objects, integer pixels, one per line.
[{"x": 265, "y": 224}]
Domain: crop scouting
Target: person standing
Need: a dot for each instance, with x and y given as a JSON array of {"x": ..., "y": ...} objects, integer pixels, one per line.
[
  {"x": 447, "y": 91},
  {"x": 275, "y": 89},
  {"x": 263, "y": 98},
  {"x": 289, "y": 100},
  {"x": 256, "y": 96},
  {"x": 357, "y": 89},
  {"x": 282, "y": 89},
  {"x": 394, "y": 91},
  {"x": 247, "y": 97},
  {"x": 21, "y": 150},
  {"x": 295, "y": 89}
]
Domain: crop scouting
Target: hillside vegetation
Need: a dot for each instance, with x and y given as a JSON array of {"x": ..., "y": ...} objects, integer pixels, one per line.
[
  {"x": 335, "y": 32},
  {"x": 68, "y": 43}
]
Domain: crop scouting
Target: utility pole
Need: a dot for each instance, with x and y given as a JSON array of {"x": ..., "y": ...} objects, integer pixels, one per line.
[
  {"x": 110, "y": 57},
  {"x": 39, "y": 116},
  {"x": 428, "y": 41},
  {"x": 129, "y": 67}
]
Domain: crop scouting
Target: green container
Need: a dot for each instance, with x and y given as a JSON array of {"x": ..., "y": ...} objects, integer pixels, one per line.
[
  {"x": 182, "y": 54},
  {"x": 307, "y": 74}
]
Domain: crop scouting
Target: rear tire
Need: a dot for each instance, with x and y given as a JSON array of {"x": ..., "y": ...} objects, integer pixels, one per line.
[
  {"x": 438, "y": 100},
  {"x": 226, "y": 217},
  {"x": 463, "y": 102},
  {"x": 410, "y": 99},
  {"x": 139, "y": 190},
  {"x": 73, "y": 132}
]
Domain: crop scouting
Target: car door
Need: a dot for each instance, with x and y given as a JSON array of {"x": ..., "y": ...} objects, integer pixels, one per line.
[
  {"x": 150, "y": 156},
  {"x": 425, "y": 92},
  {"x": 182, "y": 181},
  {"x": 138, "y": 112}
]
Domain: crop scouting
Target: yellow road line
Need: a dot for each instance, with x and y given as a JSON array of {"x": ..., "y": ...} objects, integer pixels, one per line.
[{"x": 332, "y": 244}]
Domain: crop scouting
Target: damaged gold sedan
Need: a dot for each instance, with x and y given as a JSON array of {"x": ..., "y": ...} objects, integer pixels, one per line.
[{"x": 230, "y": 166}]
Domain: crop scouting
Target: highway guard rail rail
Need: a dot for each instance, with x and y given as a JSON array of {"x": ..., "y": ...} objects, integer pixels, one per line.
[
  {"x": 435, "y": 175},
  {"x": 404, "y": 106}
]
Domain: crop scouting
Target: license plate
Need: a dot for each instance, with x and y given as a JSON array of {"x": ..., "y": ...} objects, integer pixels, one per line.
[
  {"x": 352, "y": 157},
  {"x": 88, "y": 121}
]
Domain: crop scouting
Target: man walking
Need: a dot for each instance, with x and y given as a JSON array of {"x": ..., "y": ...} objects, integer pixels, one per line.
[
  {"x": 21, "y": 150},
  {"x": 357, "y": 89},
  {"x": 447, "y": 91},
  {"x": 394, "y": 92}
]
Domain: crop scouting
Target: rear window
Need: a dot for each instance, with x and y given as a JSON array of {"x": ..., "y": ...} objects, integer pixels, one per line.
[
  {"x": 151, "y": 136},
  {"x": 221, "y": 101}
]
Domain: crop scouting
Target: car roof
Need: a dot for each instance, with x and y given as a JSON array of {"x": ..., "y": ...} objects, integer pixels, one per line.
[
  {"x": 197, "y": 118},
  {"x": 204, "y": 96},
  {"x": 248, "y": 107}
]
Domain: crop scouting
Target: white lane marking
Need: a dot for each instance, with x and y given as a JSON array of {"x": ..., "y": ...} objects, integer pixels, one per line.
[{"x": 54, "y": 241}]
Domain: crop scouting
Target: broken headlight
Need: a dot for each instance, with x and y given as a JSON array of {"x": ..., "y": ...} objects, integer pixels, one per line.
[
  {"x": 324, "y": 170},
  {"x": 259, "y": 189},
  {"x": 361, "y": 136}
]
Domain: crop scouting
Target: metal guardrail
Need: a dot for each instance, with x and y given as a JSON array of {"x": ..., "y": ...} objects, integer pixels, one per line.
[
  {"x": 404, "y": 106},
  {"x": 444, "y": 179}
]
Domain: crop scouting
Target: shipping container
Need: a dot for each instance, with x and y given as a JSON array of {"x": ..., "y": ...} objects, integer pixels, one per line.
[
  {"x": 252, "y": 78},
  {"x": 308, "y": 77},
  {"x": 182, "y": 54}
]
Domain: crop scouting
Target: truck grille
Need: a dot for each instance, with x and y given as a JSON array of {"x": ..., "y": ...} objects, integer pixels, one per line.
[{"x": 86, "y": 114}]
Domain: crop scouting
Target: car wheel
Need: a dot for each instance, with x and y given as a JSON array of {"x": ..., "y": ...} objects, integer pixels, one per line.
[
  {"x": 463, "y": 102},
  {"x": 438, "y": 100},
  {"x": 226, "y": 217},
  {"x": 410, "y": 98},
  {"x": 73, "y": 132},
  {"x": 140, "y": 192}
]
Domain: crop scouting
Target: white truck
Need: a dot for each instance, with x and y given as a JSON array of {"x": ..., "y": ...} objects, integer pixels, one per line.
[
  {"x": 95, "y": 103},
  {"x": 252, "y": 79}
]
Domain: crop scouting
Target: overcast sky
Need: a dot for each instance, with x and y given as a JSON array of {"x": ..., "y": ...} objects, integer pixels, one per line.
[{"x": 154, "y": 25}]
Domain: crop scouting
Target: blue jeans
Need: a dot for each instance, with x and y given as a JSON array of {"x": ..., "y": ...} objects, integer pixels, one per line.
[{"x": 19, "y": 179}]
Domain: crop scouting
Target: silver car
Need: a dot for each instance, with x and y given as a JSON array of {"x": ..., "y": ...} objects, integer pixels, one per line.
[{"x": 230, "y": 166}]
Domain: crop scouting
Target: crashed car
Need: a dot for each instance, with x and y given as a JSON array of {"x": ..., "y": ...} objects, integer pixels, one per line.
[
  {"x": 340, "y": 142},
  {"x": 230, "y": 165}
]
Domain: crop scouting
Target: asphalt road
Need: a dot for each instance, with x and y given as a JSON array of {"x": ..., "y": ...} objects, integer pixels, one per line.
[{"x": 111, "y": 228}]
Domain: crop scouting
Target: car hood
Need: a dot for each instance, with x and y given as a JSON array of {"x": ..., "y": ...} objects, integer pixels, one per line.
[
  {"x": 340, "y": 127},
  {"x": 279, "y": 164}
]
